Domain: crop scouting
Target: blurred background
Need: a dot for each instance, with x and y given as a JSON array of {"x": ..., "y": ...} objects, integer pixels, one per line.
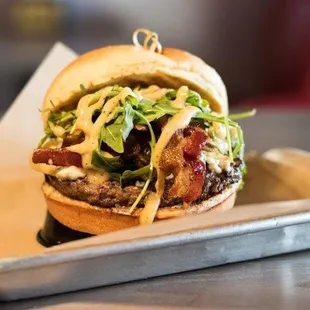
[{"x": 261, "y": 48}]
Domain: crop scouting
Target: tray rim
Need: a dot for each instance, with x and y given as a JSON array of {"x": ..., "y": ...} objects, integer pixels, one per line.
[{"x": 151, "y": 242}]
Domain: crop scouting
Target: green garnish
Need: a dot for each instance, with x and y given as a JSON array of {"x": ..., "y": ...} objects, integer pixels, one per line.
[
  {"x": 132, "y": 174},
  {"x": 195, "y": 100},
  {"x": 44, "y": 139},
  {"x": 242, "y": 115},
  {"x": 150, "y": 174},
  {"x": 228, "y": 138},
  {"x": 110, "y": 136},
  {"x": 64, "y": 119},
  {"x": 243, "y": 173},
  {"x": 110, "y": 164},
  {"x": 239, "y": 145}
]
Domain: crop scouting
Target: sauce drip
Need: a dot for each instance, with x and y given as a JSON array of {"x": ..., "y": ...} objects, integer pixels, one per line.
[{"x": 178, "y": 121}]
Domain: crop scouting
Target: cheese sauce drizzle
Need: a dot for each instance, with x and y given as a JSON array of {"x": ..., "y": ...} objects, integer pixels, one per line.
[
  {"x": 62, "y": 173},
  {"x": 153, "y": 93},
  {"x": 180, "y": 100},
  {"x": 178, "y": 121},
  {"x": 90, "y": 129}
]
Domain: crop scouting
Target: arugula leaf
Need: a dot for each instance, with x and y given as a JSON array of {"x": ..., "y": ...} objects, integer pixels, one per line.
[
  {"x": 242, "y": 115},
  {"x": 95, "y": 97},
  {"x": 239, "y": 149},
  {"x": 64, "y": 119},
  {"x": 114, "y": 134},
  {"x": 165, "y": 106},
  {"x": 110, "y": 164},
  {"x": 150, "y": 174},
  {"x": 205, "y": 107},
  {"x": 243, "y": 173},
  {"x": 43, "y": 140},
  {"x": 131, "y": 174},
  {"x": 195, "y": 100},
  {"x": 244, "y": 169},
  {"x": 127, "y": 124},
  {"x": 152, "y": 116},
  {"x": 61, "y": 118},
  {"x": 145, "y": 106},
  {"x": 114, "y": 92},
  {"x": 134, "y": 102},
  {"x": 111, "y": 136},
  {"x": 171, "y": 95},
  {"x": 116, "y": 177},
  {"x": 228, "y": 139},
  {"x": 158, "y": 110},
  {"x": 155, "y": 110}
]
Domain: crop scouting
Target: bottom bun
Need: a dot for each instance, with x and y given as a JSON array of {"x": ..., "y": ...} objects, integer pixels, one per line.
[{"x": 83, "y": 217}]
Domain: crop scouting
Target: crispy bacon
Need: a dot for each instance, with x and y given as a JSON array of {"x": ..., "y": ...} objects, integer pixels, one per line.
[
  {"x": 197, "y": 180},
  {"x": 181, "y": 158},
  {"x": 195, "y": 141},
  {"x": 57, "y": 157}
]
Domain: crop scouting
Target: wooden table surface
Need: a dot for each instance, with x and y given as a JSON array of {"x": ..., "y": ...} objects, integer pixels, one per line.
[{"x": 281, "y": 282}]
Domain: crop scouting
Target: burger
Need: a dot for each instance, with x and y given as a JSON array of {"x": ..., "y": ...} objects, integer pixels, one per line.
[{"x": 136, "y": 134}]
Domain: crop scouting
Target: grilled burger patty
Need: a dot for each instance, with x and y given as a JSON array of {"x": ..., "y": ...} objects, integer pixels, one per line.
[
  {"x": 111, "y": 194},
  {"x": 191, "y": 179}
]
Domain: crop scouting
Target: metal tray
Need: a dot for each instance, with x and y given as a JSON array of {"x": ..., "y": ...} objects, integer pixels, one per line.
[{"x": 172, "y": 246}]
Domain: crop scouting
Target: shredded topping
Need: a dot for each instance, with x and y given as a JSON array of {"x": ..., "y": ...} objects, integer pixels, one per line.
[{"x": 150, "y": 41}]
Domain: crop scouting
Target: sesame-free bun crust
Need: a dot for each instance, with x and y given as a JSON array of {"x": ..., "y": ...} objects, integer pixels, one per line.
[
  {"x": 128, "y": 65},
  {"x": 83, "y": 217}
]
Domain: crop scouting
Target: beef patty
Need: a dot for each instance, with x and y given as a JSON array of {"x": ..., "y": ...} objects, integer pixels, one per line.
[{"x": 110, "y": 194}]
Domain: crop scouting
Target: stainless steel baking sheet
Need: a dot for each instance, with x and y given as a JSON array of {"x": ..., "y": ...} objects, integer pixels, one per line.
[{"x": 173, "y": 246}]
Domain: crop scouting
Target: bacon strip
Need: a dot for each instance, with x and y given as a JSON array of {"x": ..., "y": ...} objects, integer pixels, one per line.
[
  {"x": 195, "y": 139},
  {"x": 57, "y": 157},
  {"x": 197, "y": 179},
  {"x": 181, "y": 158}
]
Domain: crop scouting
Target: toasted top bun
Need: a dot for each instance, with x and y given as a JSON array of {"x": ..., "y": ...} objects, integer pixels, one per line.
[
  {"x": 128, "y": 65},
  {"x": 83, "y": 217}
]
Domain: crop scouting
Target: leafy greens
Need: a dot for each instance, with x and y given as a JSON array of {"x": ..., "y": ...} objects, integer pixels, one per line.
[
  {"x": 134, "y": 110},
  {"x": 64, "y": 119}
]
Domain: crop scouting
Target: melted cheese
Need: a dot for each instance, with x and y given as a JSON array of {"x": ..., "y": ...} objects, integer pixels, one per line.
[
  {"x": 90, "y": 129},
  {"x": 219, "y": 130},
  {"x": 62, "y": 173},
  {"x": 70, "y": 173},
  {"x": 57, "y": 130},
  {"x": 52, "y": 143},
  {"x": 153, "y": 93},
  {"x": 149, "y": 211},
  {"x": 222, "y": 145},
  {"x": 97, "y": 177},
  {"x": 180, "y": 100},
  {"x": 45, "y": 168},
  {"x": 216, "y": 161},
  {"x": 179, "y": 121}
]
